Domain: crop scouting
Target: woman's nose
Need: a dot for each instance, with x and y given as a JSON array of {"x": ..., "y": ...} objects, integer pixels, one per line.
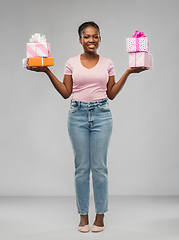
[{"x": 91, "y": 39}]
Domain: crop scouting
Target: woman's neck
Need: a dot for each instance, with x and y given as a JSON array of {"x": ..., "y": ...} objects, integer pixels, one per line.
[{"x": 89, "y": 55}]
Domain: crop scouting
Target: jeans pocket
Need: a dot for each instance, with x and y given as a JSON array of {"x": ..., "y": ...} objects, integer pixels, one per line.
[
  {"x": 104, "y": 107},
  {"x": 73, "y": 108}
]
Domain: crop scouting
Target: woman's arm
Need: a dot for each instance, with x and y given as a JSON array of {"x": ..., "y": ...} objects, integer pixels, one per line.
[
  {"x": 65, "y": 88},
  {"x": 114, "y": 88}
]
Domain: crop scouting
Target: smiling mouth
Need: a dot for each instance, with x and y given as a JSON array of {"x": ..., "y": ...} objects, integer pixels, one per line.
[{"x": 91, "y": 46}]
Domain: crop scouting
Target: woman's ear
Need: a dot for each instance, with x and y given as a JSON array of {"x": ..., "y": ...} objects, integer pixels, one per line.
[{"x": 80, "y": 40}]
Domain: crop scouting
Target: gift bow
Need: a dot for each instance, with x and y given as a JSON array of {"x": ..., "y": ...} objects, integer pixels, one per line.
[
  {"x": 138, "y": 34},
  {"x": 37, "y": 38}
]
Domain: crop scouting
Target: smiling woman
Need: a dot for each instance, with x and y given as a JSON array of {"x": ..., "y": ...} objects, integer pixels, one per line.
[
  {"x": 89, "y": 37},
  {"x": 90, "y": 79}
]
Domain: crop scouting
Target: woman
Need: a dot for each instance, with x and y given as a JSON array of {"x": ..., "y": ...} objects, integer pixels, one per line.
[{"x": 91, "y": 80}]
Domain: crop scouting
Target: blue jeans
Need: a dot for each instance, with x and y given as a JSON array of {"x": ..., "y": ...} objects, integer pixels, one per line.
[{"x": 90, "y": 128}]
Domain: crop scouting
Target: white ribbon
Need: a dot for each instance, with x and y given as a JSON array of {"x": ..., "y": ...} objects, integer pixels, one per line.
[
  {"x": 37, "y": 38},
  {"x": 24, "y": 63}
]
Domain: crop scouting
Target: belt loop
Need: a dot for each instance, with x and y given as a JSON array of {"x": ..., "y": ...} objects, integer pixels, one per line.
[
  {"x": 98, "y": 103},
  {"x": 78, "y": 104}
]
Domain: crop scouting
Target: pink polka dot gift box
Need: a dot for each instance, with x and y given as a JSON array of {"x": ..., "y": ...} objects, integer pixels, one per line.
[{"x": 137, "y": 43}]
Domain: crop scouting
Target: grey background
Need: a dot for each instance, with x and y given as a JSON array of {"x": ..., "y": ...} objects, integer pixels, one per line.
[{"x": 36, "y": 157}]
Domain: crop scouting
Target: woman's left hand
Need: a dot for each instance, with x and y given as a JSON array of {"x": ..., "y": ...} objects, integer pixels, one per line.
[{"x": 137, "y": 69}]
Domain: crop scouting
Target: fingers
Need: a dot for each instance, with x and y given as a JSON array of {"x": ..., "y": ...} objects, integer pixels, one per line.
[
  {"x": 143, "y": 69},
  {"x": 37, "y": 69},
  {"x": 139, "y": 69},
  {"x": 32, "y": 68}
]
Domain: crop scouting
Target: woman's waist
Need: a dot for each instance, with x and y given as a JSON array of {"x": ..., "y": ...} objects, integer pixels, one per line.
[
  {"x": 89, "y": 95},
  {"x": 89, "y": 103}
]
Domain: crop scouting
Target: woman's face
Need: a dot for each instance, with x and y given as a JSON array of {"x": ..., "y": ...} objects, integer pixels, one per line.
[{"x": 90, "y": 39}]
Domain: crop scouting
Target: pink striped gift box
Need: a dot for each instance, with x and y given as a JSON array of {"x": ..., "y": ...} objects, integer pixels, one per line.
[{"x": 37, "y": 49}]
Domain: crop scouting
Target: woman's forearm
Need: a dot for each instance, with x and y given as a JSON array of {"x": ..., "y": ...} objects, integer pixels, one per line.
[
  {"x": 116, "y": 88},
  {"x": 59, "y": 86}
]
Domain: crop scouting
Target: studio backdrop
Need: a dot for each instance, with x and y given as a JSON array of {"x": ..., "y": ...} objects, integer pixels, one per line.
[{"x": 36, "y": 156}]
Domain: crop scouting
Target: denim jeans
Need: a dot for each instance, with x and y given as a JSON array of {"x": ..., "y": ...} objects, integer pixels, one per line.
[{"x": 90, "y": 128}]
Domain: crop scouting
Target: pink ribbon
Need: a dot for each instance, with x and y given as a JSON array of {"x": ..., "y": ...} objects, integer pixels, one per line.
[
  {"x": 137, "y": 35},
  {"x": 150, "y": 61}
]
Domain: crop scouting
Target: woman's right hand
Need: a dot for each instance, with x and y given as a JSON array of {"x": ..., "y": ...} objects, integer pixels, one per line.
[{"x": 38, "y": 69}]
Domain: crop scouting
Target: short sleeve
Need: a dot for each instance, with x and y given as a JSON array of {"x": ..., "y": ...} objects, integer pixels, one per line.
[
  {"x": 111, "y": 71},
  {"x": 68, "y": 68}
]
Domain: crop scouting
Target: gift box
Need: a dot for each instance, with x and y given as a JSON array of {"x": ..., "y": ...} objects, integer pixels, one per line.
[
  {"x": 137, "y": 43},
  {"x": 38, "y": 47},
  {"x": 38, "y": 62},
  {"x": 38, "y": 50},
  {"x": 140, "y": 59}
]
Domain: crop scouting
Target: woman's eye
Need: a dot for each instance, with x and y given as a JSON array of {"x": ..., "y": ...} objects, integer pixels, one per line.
[{"x": 96, "y": 37}]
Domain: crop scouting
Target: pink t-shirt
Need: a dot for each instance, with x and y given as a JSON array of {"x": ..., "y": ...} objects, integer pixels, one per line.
[{"x": 89, "y": 84}]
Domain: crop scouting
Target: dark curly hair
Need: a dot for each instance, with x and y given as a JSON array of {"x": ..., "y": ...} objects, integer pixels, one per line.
[{"x": 87, "y": 24}]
